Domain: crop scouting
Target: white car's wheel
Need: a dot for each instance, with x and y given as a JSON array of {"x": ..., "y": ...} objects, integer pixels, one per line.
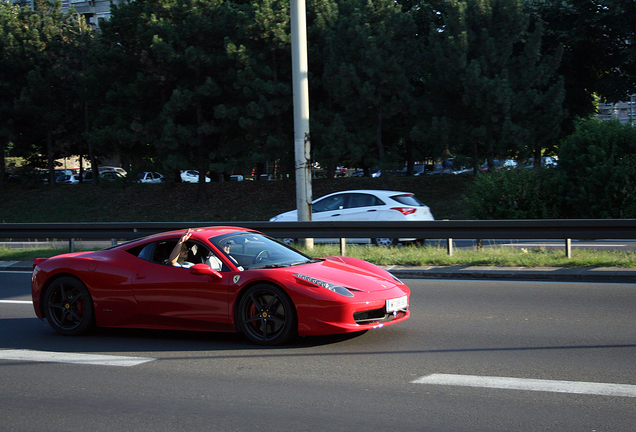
[{"x": 385, "y": 242}]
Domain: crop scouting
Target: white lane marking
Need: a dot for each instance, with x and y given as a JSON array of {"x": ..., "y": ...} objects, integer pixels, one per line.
[
  {"x": 17, "y": 301},
  {"x": 592, "y": 388},
  {"x": 76, "y": 358}
]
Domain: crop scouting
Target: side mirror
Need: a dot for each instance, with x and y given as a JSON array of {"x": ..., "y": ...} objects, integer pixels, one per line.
[{"x": 204, "y": 269}]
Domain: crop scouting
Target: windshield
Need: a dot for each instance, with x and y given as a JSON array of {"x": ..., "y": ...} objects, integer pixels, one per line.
[{"x": 252, "y": 250}]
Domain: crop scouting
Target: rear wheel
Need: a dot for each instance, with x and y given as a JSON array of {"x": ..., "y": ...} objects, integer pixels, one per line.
[
  {"x": 266, "y": 315},
  {"x": 385, "y": 241},
  {"x": 69, "y": 307}
]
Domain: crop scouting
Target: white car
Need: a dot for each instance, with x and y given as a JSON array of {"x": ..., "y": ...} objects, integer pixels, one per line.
[
  {"x": 192, "y": 176},
  {"x": 364, "y": 205},
  {"x": 149, "y": 177}
]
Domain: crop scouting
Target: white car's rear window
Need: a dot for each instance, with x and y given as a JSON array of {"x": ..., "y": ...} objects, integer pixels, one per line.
[{"x": 407, "y": 199}]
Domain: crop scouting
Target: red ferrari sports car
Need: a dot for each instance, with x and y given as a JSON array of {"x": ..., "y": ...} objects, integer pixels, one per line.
[{"x": 222, "y": 279}]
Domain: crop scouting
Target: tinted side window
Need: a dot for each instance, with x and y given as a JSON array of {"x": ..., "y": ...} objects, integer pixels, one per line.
[
  {"x": 363, "y": 200},
  {"x": 330, "y": 203},
  {"x": 142, "y": 251}
]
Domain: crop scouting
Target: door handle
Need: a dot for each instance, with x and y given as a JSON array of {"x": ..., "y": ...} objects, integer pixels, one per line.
[{"x": 140, "y": 276}]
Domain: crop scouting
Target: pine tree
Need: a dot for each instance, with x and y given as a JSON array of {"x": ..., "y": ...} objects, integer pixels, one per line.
[
  {"x": 367, "y": 59},
  {"x": 494, "y": 91},
  {"x": 48, "y": 97}
]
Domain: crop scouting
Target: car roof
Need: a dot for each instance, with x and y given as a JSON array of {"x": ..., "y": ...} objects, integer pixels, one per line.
[{"x": 371, "y": 191}]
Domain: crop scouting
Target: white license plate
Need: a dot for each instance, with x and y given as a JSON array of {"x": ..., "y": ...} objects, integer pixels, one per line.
[{"x": 397, "y": 304}]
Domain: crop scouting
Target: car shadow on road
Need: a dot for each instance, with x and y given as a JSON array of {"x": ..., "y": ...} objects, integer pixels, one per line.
[{"x": 35, "y": 334}]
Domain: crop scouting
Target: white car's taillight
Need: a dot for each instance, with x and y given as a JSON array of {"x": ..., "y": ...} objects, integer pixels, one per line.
[{"x": 405, "y": 210}]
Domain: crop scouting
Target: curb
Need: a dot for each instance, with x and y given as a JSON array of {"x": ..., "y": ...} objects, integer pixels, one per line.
[
  {"x": 553, "y": 274},
  {"x": 16, "y": 266}
]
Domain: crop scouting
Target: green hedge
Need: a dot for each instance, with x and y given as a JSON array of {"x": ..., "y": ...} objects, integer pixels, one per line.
[{"x": 596, "y": 178}]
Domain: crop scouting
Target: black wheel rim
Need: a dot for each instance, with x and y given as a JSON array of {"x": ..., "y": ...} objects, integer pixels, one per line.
[
  {"x": 66, "y": 306},
  {"x": 264, "y": 315}
]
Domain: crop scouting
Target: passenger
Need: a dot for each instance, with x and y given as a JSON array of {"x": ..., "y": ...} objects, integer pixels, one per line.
[
  {"x": 214, "y": 262},
  {"x": 179, "y": 254}
]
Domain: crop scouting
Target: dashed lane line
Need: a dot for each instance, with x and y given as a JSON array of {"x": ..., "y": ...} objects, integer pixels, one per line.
[
  {"x": 577, "y": 387},
  {"x": 75, "y": 358}
]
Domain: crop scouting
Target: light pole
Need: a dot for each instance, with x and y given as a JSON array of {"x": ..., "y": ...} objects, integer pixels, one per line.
[{"x": 300, "y": 87}]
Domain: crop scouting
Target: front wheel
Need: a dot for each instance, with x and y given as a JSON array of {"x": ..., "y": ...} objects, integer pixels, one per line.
[
  {"x": 69, "y": 307},
  {"x": 266, "y": 315}
]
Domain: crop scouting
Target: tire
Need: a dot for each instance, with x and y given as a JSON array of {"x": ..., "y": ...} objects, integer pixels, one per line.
[
  {"x": 69, "y": 308},
  {"x": 385, "y": 242},
  {"x": 266, "y": 316}
]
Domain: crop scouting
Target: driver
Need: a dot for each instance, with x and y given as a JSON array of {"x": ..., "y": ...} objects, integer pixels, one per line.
[{"x": 215, "y": 262}]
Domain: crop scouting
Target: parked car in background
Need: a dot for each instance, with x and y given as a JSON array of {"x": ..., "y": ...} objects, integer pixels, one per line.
[
  {"x": 149, "y": 177},
  {"x": 549, "y": 162},
  {"x": 546, "y": 162},
  {"x": 112, "y": 176},
  {"x": 484, "y": 166},
  {"x": 192, "y": 176},
  {"x": 418, "y": 169},
  {"x": 373, "y": 172},
  {"x": 364, "y": 205},
  {"x": 59, "y": 172},
  {"x": 119, "y": 170},
  {"x": 432, "y": 169},
  {"x": 67, "y": 179}
]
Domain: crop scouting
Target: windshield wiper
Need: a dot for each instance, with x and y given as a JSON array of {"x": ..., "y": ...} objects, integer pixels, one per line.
[
  {"x": 285, "y": 264},
  {"x": 305, "y": 262},
  {"x": 268, "y": 266}
]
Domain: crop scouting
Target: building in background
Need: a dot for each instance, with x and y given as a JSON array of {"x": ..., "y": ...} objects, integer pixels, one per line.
[
  {"x": 624, "y": 112},
  {"x": 92, "y": 10}
]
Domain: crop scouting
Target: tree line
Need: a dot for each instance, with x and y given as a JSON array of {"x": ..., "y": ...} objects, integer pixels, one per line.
[{"x": 171, "y": 85}]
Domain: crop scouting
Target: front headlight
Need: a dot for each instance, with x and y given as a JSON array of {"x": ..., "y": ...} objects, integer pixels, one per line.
[{"x": 338, "y": 289}]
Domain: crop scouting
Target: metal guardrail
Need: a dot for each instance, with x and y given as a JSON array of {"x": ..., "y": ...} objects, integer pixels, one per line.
[{"x": 564, "y": 229}]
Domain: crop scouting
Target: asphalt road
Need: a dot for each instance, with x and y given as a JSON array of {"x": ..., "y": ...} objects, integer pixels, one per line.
[{"x": 520, "y": 356}]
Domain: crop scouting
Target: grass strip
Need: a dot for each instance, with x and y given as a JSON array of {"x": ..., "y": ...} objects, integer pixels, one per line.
[{"x": 429, "y": 255}]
